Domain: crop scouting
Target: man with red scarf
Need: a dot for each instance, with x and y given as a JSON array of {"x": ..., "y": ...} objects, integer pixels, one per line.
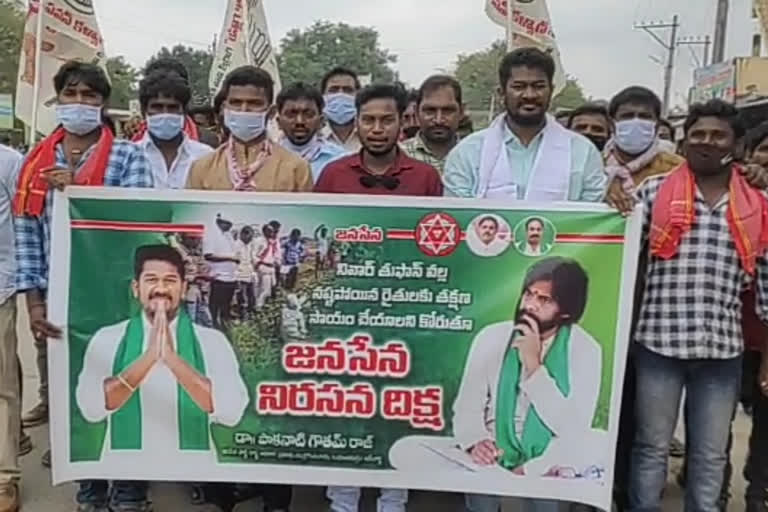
[
  {"x": 707, "y": 230},
  {"x": 81, "y": 151}
]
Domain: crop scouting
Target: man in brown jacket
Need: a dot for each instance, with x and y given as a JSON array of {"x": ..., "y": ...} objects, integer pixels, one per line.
[{"x": 249, "y": 161}]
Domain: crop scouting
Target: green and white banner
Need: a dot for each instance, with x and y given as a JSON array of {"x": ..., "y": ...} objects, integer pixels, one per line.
[{"x": 435, "y": 344}]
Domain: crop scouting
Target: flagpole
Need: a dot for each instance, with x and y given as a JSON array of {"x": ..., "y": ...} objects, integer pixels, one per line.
[
  {"x": 510, "y": 26},
  {"x": 36, "y": 85}
]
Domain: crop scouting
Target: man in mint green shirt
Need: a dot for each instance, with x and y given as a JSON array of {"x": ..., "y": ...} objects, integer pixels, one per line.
[{"x": 525, "y": 154}]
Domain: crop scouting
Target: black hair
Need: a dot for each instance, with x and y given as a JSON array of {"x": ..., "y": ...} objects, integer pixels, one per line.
[
  {"x": 74, "y": 72},
  {"x": 436, "y": 82},
  {"x": 382, "y": 91},
  {"x": 756, "y": 136},
  {"x": 165, "y": 84},
  {"x": 412, "y": 96},
  {"x": 532, "y": 220},
  {"x": 635, "y": 95},
  {"x": 491, "y": 218},
  {"x": 249, "y": 75},
  {"x": 300, "y": 91},
  {"x": 716, "y": 108},
  {"x": 339, "y": 71},
  {"x": 167, "y": 64},
  {"x": 164, "y": 253},
  {"x": 531, "y": 58},
  {"x": 295, "y": 232},
  {"x": 569, "y": 285},
  {"x": 205, "y": 110},
  {"x": 588, "y": 109},
  {"x": 668, "y": 125},
  {"x": 275, "y": 225}
]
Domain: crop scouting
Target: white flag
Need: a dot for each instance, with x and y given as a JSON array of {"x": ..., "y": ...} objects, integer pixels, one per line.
[
  {"x": 531, "y": 26},
  {"x": 69, "y": 32},
  {"x": 244, "y": 40}
]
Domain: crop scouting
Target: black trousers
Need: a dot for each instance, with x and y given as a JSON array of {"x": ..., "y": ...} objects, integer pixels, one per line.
[
  {"x": 756, "y": 470},
  {"x": 221, "y": 303},
  {"x": 626, "y": 438}
]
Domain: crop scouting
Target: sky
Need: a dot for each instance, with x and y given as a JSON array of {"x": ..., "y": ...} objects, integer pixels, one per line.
[{"x": 597, "y": 40}]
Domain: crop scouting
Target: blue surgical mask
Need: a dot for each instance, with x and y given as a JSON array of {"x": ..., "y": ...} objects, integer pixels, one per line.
[
  {"x": 78, "y": 119},
  {"x": 340, "y": 108},
  {"x": 165, "y": 126},
  {"x": 245, "y": 126},
  {"x": 635, "y": 136}
]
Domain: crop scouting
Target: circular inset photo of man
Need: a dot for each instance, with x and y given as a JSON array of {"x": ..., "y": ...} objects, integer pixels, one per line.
[
  {"x": 535, "y": 236},
  {"x": 488, "y": 235}
]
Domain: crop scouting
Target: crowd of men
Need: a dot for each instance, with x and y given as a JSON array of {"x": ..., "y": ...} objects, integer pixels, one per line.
[{"x": 701, "y": 296}]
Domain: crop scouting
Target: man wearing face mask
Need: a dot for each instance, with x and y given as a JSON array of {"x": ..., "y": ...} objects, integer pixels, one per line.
[
  {"x": 249, "y": 161},
  {"x": 707, "y": 232},
  {"x": 439, "y": 110},
  {"x": 592, "y": 121},
  {"x": 339, "y": 86},
  {"x": 81, "y": 151},
  {"x": 164, "y": 98}
]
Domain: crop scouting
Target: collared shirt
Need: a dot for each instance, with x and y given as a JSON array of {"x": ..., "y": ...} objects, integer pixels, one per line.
[
  {"x": 10, "y": 163},
  {"x": 351, "y": 145},
  {"x": 415, "y": 178},
  {"x": 221, "y": 245},
  {"x": 267, "y": 254},
  {"x": 418, "y": 149},
  {"x": 175, "y": 177},
  {"x": 127, "y": 167},
  {"x": 328, "y": 152},
  {"x": 462, "y": 166},
  {"x": 293, "y": 252},
  {"x": 244, "y": 252},
  {"x": 691, "y": 304}
]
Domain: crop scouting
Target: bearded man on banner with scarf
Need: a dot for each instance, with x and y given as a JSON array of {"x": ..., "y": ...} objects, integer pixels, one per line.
[
  {"x": 133, "y": 370},
  {"x": 81, "y": 151}
]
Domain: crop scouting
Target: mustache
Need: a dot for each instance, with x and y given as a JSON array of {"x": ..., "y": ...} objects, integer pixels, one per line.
[{"x": 160, "y": 296}]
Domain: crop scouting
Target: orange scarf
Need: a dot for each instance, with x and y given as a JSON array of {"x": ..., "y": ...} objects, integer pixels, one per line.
[
  {"x": 190, "y": 129},
  {"x": 674, "y": 213},
  {"x": 33, "y": 184}
]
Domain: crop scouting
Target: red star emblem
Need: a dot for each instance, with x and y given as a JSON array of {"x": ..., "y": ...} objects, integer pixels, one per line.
[{"x": 438, "y": 234}]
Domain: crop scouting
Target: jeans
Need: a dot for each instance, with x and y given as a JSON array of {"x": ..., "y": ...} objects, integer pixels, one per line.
[
  {"x": 346, "y": 499},
  {"x": 221, "y": 303},
  {"x": 712, "y": 390},
  {"x": 756, "y": 470},
  {"x": 489, "y": 503},
  {"x": 97, "y": 492}
]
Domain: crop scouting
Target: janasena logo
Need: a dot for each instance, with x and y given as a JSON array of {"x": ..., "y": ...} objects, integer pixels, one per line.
[
  {"x": 81, "y": 6},
  {"x": 438, "y": 235}
]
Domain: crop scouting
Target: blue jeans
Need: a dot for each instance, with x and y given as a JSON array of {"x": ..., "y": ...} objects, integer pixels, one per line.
[
  {"x": 712, "y": 388},
  {"x": 488, "y": 503},
  {"x": 97, "y": 492},
  {"x": 346, "y": 499}
]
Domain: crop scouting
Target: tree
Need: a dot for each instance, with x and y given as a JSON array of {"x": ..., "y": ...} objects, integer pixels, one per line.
[
  {"x": 198, "y": 64},
  {"x": 478, "y": 74},
  {"x": 307, "y": 55},
  {"x": 11, "y": 33},
  {"x": 124, "y": 78}
]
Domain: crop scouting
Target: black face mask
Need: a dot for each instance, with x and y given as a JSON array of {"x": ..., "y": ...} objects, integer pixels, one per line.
[
  {"x": 708, "y": 160},
  {"x": 410, "y": 132},
  {"x": 598, "y": 141}
]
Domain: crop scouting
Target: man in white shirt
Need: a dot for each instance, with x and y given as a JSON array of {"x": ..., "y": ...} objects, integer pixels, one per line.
[
  {"x": 530, "y": 388},
  {"x": 157, "y": 380},
  {"x": 164, "y": 97},
  {"x": 246, "y": 295},
  {"x": 219, "y": 251},
  {"x": 267, "y": 257},
  {"x": 485, "y": 239},
  {"x": 534, "y": 245}
]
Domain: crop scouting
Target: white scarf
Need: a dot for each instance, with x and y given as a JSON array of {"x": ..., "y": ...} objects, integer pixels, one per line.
[
  {"x": 308, "y": 151},
  {"x": 551, "y": 175},
  {"x": 624, "y": 172}
]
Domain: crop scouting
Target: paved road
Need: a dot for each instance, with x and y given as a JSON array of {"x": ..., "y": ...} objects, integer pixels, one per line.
[{"x": 40, "y": 496}]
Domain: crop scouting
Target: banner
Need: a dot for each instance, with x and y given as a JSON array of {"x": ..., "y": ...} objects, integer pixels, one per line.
[
  {"x": 340, "y": 340},
  {"x": 530, "y": 25},
  {"x": 244, "y": 40},
  {"x": 70, "y": 31}
]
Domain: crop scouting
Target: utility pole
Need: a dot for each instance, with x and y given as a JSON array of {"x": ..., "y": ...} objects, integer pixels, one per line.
[
  {"x": 705, "y": 41},
  {"x": 721, "y": 27},
  {"x": 671, "y": 48}
]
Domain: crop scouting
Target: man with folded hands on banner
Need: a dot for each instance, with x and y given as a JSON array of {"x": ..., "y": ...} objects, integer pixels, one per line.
[
  {"x": 339, "y": 87},
  {"x": 300, "y": 116},
  {"x": 81, "y": 151},
  {"x": 164, "y": 98},
  {"x": 707, "y": 230},
  {"x": 249, "y": 161},
  {"x": 380, "y": 168},
  {"x": 158, "y": 381}
]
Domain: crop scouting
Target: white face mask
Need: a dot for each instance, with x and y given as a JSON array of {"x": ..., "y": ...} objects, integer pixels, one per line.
[
  {"x": 245, "y": 126},
  {"x": 78, "y": 118},
  {"x": 634, "y": 136}
]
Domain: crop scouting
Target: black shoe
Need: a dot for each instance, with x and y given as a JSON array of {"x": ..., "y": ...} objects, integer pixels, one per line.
[{"x": 757, "y": 506}]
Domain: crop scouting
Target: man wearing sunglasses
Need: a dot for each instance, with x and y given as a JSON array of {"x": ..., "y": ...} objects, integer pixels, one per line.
[{"x": 380, "y": 167}]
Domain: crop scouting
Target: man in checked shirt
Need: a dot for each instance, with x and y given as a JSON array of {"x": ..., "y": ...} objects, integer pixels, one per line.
[
  {"x": 81, "y": 151},
  {"x": 707, "y": 232}
]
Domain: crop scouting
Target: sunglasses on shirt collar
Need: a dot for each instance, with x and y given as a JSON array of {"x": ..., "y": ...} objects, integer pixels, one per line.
[{"x": 388, "y": 182}]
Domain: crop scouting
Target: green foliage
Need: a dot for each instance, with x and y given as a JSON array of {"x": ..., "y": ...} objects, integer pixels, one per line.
[
  {"x": 198, "y": 64},
  {"x": 571, "y": 97},
  {"x": 306, "y": 55},
  {"x": 124, "y": 82},
  {"x": 11, "y": 32}
]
